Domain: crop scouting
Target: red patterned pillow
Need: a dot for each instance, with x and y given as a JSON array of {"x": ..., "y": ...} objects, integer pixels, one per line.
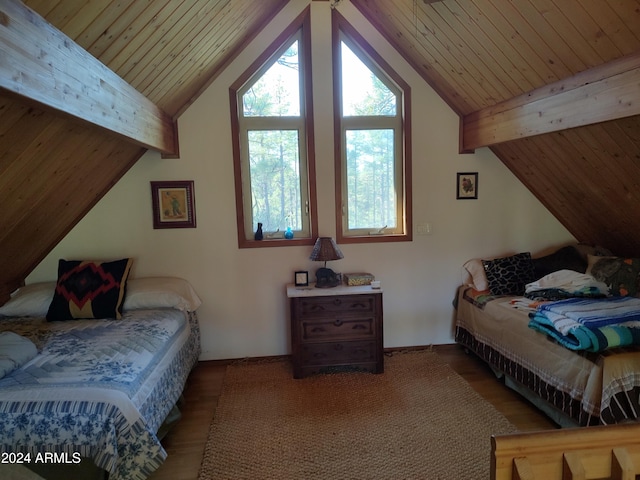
[{"x": 88, "y": 289}]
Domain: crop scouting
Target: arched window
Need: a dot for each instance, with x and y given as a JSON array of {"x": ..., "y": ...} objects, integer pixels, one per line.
[
  {"x": 373, "y": 164},
  {"x": 273, "y": 143}
]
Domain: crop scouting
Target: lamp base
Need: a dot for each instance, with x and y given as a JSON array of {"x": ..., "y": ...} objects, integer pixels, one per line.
[{"x": 326, "y": 278}]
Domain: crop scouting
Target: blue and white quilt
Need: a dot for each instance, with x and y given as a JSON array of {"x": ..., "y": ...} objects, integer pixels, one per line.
[{"x": 99, "y": 389}]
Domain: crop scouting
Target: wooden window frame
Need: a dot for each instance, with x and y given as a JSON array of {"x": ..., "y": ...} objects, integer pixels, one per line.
[
  {"x": 340, "y": 26},
  {"x": 245, "y": 239}
]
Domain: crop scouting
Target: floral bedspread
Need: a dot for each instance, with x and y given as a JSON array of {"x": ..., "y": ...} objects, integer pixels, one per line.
[{"x": 99, "y": 389}]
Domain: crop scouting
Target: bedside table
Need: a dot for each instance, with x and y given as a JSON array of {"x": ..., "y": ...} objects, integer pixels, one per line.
[{"x": 335, "y": 327}]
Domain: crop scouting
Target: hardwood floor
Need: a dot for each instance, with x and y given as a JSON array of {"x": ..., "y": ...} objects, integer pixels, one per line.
[
  {"x": 518, "y": 411},
  {"x": 185, "y": 442}
]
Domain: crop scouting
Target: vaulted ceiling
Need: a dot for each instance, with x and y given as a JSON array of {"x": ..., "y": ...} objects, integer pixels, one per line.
[
  {"x": 481, "y": 55},
  {"x": 552, "y": 86}
]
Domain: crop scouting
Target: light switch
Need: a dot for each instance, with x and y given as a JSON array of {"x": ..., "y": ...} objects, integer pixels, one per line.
[{"x": 423, "y": 228}]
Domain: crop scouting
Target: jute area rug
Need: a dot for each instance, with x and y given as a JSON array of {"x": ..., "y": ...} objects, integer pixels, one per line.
[{"x": 418, "y": 420}]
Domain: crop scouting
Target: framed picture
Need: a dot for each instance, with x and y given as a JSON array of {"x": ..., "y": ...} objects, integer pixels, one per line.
[
  {"x": 467, "y": 186},
  {"x": 173, "y": 204},
  {"x": 302, "y": 278}
]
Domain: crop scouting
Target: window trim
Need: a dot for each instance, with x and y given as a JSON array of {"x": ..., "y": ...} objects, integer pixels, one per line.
[
  {"x": 301, "y": 23},
  {"x": 341, "y": 27}
]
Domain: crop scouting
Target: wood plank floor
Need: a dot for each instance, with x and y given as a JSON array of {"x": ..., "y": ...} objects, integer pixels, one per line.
[{"x": 185, "y": 443}]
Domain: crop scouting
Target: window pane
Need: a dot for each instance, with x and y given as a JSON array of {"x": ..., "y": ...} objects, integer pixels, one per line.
[
  {"x": 371, "y": 195},
  {"x": 274, "y": 165},
  {"x": 362, "y": 92},
  {"x": 277, "y": 92}
]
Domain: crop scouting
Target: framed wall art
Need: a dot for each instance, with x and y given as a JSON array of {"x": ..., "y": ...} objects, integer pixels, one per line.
[
  {"x": 173, "y": 204},
  {"x": 467, "y": 186},
  {"x": 301, "y": 278}
]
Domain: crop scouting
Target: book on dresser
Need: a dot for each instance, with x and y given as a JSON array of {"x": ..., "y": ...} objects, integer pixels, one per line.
[{"x": 335, "y": 329}]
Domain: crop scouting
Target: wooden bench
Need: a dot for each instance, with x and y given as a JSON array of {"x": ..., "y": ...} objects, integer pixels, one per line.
[{"x": 600, "y": 452}]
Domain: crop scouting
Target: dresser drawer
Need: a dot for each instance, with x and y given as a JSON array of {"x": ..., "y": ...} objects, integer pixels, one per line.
[
  {"x": 347, "y": 328},
  {"x": 345, "y": 305},
  {"x": 335, "y": 353},
  {"x": 338, "y": 328}
]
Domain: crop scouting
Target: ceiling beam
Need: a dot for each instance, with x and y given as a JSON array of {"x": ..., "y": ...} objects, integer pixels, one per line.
[
  {"x": 607, "y": 92},
  {"x": 41, "y": 65}
]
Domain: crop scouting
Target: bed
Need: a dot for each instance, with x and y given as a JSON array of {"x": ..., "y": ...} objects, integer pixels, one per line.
[
  {"x": 575, "y": 387},
  {"x": 96, "y": 389}
]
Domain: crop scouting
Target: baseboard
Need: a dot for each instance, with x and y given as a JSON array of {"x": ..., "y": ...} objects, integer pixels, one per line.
[{"x": 277, "y": 358}]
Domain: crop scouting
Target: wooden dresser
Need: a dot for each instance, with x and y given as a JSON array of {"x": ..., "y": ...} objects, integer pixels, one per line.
[{"x": 335, "y": 328}]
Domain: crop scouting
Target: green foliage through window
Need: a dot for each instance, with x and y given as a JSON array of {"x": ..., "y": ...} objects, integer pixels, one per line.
[
  {"x": 273, "y": 151},
  {"x": 274, "y": 158},
  {"x": 363, "y": 93},
  {"x": 277, "y": 91},
  {"x": 371, "y": 178},
  {"x": 371, "y": 127},
  {"x": 275, "y": 179}
]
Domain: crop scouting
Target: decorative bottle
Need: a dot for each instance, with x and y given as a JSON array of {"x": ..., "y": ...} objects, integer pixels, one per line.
[
  {"x": 258, "y": 235},
  {"x": 288, "y": 233}
]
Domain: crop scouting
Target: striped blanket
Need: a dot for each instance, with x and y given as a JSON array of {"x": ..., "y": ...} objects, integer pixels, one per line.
[{"x": 590, "y": 324}]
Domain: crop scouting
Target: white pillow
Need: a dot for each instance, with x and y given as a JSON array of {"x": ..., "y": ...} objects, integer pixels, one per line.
[
  {"x": 32, "y": 300},
  {"x": 476, "y": 276},
  {"x": 15, "y": 351},
  {"x": 569, "y": 281},
  {"x": 160, "y": 292}
]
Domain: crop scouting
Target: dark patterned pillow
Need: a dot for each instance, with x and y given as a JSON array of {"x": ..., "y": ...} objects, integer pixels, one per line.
[
  {"x": 622, "y": 275},
  {"x": 509, "y": 275},
  {"x": 88, "y": 289}
]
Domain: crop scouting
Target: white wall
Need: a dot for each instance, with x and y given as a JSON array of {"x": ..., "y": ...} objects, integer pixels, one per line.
[{"x": 244, "y": 311}]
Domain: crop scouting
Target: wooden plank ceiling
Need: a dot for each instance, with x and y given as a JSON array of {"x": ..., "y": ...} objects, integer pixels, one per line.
[
  {"x": 479, "y": 53},
  {"x": 475, "y": 54},
  {"x": 54, "y": 169}
]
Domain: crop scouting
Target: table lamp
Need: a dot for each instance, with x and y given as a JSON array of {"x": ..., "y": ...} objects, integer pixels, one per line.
[{"x": 325, "y": 250}]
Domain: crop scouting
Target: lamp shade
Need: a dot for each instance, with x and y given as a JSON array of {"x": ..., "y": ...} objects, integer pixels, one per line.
[{"x": 325, "y": 250}]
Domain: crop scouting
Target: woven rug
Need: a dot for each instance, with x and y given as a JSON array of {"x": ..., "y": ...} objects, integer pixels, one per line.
[{"x": 417, "y": 420}]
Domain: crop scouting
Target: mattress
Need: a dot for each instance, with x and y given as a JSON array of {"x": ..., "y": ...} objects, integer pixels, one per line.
[
  {"x": 97, "y": 389},
  {"x": 588, "y": 388}
]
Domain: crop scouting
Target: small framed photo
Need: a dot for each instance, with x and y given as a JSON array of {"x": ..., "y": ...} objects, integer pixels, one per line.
[
  {"x": 173, "y": 204},
  {"x": 302, "y": 278},
  {"x": 467, "y": 186}
]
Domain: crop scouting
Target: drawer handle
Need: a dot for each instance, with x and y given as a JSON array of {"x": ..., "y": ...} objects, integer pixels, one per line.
[
  {"x": 338, "y": 323},
  {"x": 337, "y": 301},
  {"x": 359, "y": 305}
]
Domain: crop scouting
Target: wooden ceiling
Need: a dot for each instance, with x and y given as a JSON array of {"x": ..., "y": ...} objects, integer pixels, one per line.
[
  {"x": 54, "y": 169},
  {"x": 474, "y": 53},
  {"x": 168, "y": 50},
  {"x": 479, "y": 53}
]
